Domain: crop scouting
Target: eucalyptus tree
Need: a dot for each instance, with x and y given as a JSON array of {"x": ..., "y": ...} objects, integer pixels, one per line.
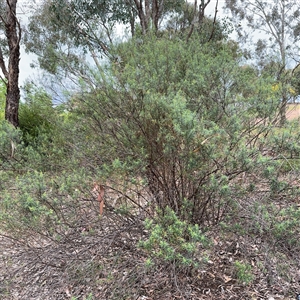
[
  {"x": 193, "y": 20},
  {"x": 149, "y": 13},
  {"x": 276, "y": 22},
  {"x": 92, "y": 25},
  {"x": 10, "y": 48},
  {"x": 65, "y": 34}
]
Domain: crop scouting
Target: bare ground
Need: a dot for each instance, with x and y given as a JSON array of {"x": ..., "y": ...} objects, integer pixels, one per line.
[
  {"x": 293, "y": 111},
  {"x": 109, "y": 266}
]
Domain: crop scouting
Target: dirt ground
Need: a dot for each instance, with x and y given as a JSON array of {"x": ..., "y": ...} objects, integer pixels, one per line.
[{"x": 293, "y": 111}]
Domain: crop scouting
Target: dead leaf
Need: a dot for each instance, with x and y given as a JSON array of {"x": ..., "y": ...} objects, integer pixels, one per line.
[{"x": 226, "y": 278}]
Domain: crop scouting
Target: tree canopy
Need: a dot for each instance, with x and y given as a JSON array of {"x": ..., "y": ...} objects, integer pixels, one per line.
[{"x": 276, "y": 22}]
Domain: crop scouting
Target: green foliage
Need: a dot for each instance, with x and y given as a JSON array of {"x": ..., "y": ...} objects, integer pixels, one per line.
[
  {"x": 41, "y": 204},
  {"x": 276, "y": 219},
  {"x": 280, "y": 225},
  {"x": 243, "y": 272},
  {"x": 52, "y": 40},
  {"x": 28, "y": 206},
  {"x": 268, "y": 17},
  {"x": 180, "y": 118},
  {"x": 36, "y": 114},
  {"x": 180, "y": 23},
  {"x": 285, "y": 141},
  {"x": 286, "y": 227},
  {"x": 2, "y": 100},
  {"x": 43, "y": 130},
  {"x": 172, "y": 241},
  {"x": 295, "y": 82},
  {"x": 10, "y": 138},
  {"x": 269, "y": 51},
  {"x": 61, "y": 37},
  {"x": 96, "y": 13},
  {"x": 289, "y": 165}
]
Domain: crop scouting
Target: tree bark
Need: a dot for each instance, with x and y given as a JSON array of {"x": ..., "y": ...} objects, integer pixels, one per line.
[
  {"x": 13, "y": 35},
  {"x": 142, "y": 15},
  {"x": 155, "y": 13}
]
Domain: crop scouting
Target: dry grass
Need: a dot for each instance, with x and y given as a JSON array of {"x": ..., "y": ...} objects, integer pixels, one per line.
[{"x": 293, "y": 111}]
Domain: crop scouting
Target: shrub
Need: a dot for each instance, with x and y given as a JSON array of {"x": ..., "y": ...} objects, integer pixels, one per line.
[
  {"x": 173, "y": 241},
  {"x": 36, "y": 115},
  {"x": 243, "y": 272},
  {"x": 44, "y": 132},
  {"x": 177, "y": 118},
  {"x": 10, "y": 145},
  {"x": 285, "y": 228},
  {"x": 42, "y": 203}
]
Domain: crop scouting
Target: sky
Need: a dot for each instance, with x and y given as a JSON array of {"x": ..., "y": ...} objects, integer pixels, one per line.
[{"x": 26, "y": 72}]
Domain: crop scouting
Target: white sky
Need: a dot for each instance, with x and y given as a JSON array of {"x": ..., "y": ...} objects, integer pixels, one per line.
[{"x": 26, "y": 59}]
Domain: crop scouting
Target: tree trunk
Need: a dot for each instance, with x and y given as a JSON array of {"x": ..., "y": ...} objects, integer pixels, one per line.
[
  {"x": 155, "y": 14},
  {"x": 13, "y": 35},
  {"x": 142, "y": 15}
]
